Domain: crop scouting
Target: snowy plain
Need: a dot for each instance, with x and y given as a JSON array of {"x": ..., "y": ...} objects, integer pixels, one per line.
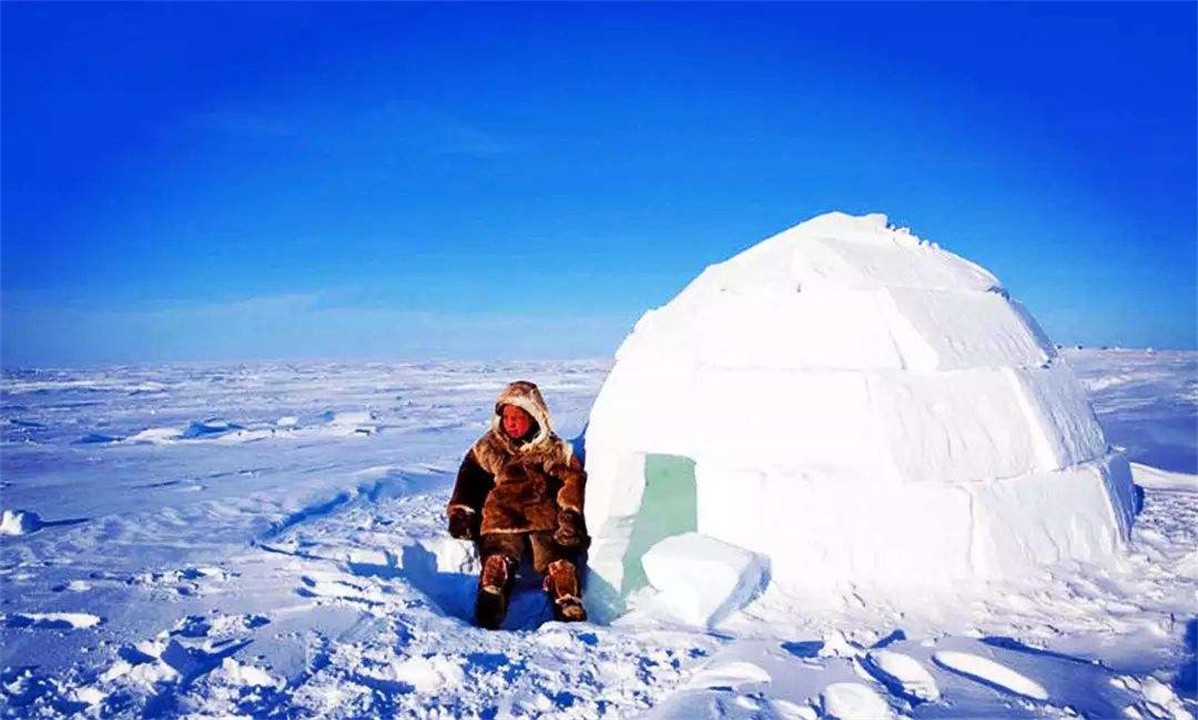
[{"x": 268, "y": 540}]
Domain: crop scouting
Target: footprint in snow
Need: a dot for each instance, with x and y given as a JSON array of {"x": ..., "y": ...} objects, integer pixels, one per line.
[
  {"x": 194, "y": 581},
  {"x": 337, "y": 590}
]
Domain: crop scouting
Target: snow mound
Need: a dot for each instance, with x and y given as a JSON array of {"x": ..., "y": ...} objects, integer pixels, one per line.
[
  {"x": 19, "y": 522},
  {"x": 701, "y": 579},
  {"x": 987, "y": 671},
  {"x": 51, "y": 621},
  {"x": 903, "y": 674},
  {"x": 208, "y": 428},
  {"x": 854, "y": 701},
  {"x": 1157, "y": 479},
  {"x": 860, "y": 408},
  {"x": 350, "y": 422}
]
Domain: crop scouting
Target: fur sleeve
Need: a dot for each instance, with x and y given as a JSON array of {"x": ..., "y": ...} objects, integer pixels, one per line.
[
  {"x": 472, "y": 486},
  {"x": 573, "y": 479}
]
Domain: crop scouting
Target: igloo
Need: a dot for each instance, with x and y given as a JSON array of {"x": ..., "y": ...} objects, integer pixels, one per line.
[{"x": 857, "y": 406}]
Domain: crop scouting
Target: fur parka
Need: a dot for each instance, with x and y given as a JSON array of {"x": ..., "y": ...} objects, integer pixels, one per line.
[{"x": 519, "y": 486}]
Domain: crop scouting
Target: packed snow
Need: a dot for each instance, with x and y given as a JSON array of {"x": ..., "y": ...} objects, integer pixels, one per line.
[{"x": 285, "y": 564}]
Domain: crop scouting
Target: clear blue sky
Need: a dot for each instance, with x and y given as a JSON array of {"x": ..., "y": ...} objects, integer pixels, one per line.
[{"x": 237, "y": 181}]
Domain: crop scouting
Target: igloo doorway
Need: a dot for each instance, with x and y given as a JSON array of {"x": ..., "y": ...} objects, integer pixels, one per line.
[{"x": 668, "y": 507}]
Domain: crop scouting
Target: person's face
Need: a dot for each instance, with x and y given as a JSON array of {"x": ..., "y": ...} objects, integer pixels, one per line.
[{"x": 516, "y": 422}]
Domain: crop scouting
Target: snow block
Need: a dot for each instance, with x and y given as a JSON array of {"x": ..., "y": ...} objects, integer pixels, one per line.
[
  {"x": 700, "y": 579},
  {"x": 818, "y": 533},
  {"x": 838, "y": 250},
  {"x": 954, "y": 329},
  {"x": 1116, "y": 472},
  {"x": 867, "y": 265},
  {"x": 793, "y": 419},
  {"x": 955, "y": 426},
  {"x": 781, "y": 329},
  {"x": 1068, "y": 431},
  {"x": 1043, "y": 518},
  {"x": 648, "y": 409}
]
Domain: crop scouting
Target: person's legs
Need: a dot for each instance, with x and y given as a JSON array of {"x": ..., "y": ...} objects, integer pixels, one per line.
[
  {"x": 500, "y": 555},
  {"x": 561, "y": 577}
]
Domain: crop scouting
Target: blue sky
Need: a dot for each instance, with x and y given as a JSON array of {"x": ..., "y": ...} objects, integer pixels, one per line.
[{"x": 237, "y": 181}]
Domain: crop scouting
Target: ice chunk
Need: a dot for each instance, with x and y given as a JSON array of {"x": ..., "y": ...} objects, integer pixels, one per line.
[
  {"x": 208, "y": 428},
  {"x": 702, "y": 579},
  {"x": 19, "y": 522},
  {"x": 247, "y": 675},
  {"x": 356, "y": 422},
  {"x": 155, "y": 435}
]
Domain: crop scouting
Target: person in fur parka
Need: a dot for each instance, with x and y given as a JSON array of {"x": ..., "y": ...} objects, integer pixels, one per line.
[{"x": 520, "y": 488}]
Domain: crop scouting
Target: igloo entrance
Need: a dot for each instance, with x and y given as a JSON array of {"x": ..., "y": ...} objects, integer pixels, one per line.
[{"x": 668, "y": 507}]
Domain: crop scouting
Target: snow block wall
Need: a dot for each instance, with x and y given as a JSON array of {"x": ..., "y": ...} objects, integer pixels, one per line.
[{"x": 861, "y": 407}]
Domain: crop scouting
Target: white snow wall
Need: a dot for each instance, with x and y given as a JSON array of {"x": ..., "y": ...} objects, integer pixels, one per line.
[{"x": 861, "y": 407}]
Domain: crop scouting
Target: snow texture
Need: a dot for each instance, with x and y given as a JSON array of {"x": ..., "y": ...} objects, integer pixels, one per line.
[
  {"x": 861, "y": 407},
  {"x": 287, "y": 567}
]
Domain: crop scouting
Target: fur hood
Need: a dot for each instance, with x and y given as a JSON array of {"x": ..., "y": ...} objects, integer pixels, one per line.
[
  {"x": 518, "y": 487},
  {"x": 526, "y": 396}
]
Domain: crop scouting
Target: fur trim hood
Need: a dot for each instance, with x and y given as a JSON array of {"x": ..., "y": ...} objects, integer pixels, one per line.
[
  {"x": 519, "y": 487},
  {"x": 526, "y": 396}
]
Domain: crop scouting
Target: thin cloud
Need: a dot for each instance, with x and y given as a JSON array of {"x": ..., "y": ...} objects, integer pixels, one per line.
[
  {"x": 246, "y": 123},
  {"x": 438, "y": 132}
]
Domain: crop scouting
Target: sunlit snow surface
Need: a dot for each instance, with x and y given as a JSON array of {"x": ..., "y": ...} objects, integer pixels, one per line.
[{"x": 267, "y": 539}]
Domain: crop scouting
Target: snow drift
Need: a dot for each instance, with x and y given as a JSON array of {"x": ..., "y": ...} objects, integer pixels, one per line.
[{"x": 855, "y": 405}]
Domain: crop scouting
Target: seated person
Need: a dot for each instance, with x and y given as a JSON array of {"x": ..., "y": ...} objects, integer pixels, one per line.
[{"x": 520, "y": 488}]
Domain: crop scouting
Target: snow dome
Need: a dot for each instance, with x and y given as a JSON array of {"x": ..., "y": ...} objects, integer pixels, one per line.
[{"x": 857, "y": 407}]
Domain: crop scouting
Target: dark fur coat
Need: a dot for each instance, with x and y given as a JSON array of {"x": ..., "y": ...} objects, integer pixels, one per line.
[{"x": 519, "y": 486}]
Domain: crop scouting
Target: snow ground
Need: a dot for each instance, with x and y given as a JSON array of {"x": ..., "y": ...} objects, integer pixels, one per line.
[{"x": 267, "y": 540}]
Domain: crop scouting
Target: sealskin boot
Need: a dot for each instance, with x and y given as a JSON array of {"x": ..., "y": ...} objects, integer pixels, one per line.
[
  {"x": 490, "y": 608},
  {"x": 494, "y": 586},
  {"x": 561, "y": 582},
  {"x": 569, "y": 609}
]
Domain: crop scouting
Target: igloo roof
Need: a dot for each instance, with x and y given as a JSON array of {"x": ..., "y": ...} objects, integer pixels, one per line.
[
  {"x": 845, "y": 361},
  {"x": 841, "y": 292},
  {"x": 846, "y": 346}
]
